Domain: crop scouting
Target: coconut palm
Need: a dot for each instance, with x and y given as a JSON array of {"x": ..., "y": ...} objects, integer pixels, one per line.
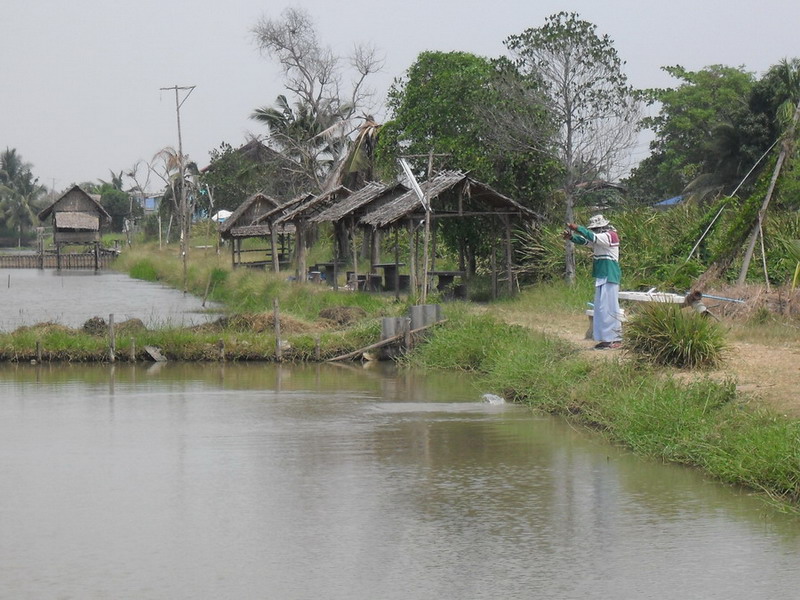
[{"x": 21, "y": 195}]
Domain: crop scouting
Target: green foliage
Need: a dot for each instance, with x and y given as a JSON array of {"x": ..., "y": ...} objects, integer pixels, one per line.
[
  {"x": 664, "y": 334},
  {"x": 703, "y": 128}
]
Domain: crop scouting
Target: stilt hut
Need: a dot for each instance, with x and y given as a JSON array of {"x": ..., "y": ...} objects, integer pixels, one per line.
[
  {"x": 455, "y": 195},
  {"x": 77, "y": 219}
]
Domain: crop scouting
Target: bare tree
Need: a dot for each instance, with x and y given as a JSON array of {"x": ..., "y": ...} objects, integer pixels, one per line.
[
  {"x": 312, "y": 125},
  {"x": 576, "y": 77}
]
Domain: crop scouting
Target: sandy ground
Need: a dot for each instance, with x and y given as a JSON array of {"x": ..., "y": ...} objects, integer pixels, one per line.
[{"x": 765, "y": 374}]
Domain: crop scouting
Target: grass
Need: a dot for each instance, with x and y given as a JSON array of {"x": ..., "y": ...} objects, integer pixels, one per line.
[{"x": 664, "y": 334}]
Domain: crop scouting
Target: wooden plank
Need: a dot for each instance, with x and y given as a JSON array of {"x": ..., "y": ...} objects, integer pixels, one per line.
[{"x": 155, "y": 354}]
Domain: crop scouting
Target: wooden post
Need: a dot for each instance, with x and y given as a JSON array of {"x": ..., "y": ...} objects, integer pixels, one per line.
[
  {"x": 97, "y": 256},
  {"x": 112, "y": 342},
  {"x": 412, "y": 260},
  {"x": 355, "y": 256},
  {"x": 39, "y": 351},
  {"x": 133, "y": 350},
  {"x": 276, "y": 318},
  {"x": 509, "y": 266},
  {"x": 317, "y": 348},
  {"x": 273, "y": 240},
  {"x": 396, "y": 266},
  {"x": 494, "y": 271},
  {"x": 233, "y": 253},
  {"x": 222, "y": 350}
]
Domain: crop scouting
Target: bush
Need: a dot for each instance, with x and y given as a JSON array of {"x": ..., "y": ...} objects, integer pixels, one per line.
[{"x": 666, "y": 335}]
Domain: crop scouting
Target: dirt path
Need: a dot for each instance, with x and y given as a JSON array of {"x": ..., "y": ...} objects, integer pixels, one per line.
[{"x": 765, "y": 374}]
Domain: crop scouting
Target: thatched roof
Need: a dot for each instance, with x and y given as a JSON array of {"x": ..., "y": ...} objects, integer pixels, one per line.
[
  {"x": 372, "y": 195},
  {"x": 76, "y": 220},
  {"x": 275, "y": 216},
  {"x": 451, "y": 193},
  {"x": 314, "y": 205},
  {"x": 248, "y": 212},
  {"x": 75, "y": 200}
]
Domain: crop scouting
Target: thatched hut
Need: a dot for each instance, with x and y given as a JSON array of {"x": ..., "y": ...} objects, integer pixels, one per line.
[
  {"x": 244, "y": 223},
  {"x": 77, "y": 219},
  {"x": 299, "y": 216},
  {"x": 454, "y": 195}
]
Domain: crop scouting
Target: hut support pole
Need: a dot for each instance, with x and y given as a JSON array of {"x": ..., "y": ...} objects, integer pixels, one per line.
[
  {"x": 509, "y": 265},
  {"x": 355, "y": 255},
  {"x": 396, "y": 265},
  {"x": 412, "y": 261},
  {"x": 273, "y": 240}
]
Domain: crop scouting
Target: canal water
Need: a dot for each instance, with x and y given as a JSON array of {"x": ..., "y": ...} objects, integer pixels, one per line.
[
  {"x": 66, "y": 297},
  {"x": 339, "y": 482}
]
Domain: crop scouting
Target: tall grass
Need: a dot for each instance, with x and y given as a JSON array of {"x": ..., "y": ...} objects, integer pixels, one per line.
[{"x": 664, "y": 334}]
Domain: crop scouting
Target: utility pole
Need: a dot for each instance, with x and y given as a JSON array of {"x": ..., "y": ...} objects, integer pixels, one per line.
[{"x": 184, "y": 209}]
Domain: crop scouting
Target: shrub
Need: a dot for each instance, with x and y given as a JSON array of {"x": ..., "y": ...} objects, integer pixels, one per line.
[{"x": 666, "y": 335}]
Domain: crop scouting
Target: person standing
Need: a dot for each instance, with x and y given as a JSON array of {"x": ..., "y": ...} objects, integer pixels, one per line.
[{"x": 603, "y": 239}]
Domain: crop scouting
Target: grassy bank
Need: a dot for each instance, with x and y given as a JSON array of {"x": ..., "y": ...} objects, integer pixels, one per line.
[
  {"x": 315, "y": 321},
  {"x": 702, "y": 424}
]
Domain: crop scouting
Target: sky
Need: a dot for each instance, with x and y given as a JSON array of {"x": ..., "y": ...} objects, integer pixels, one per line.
[{"x": 80, "y": 80}]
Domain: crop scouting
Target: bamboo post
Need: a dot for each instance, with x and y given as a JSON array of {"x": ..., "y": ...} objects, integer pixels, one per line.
[
  {"x": 276, "y": 318},
  {"x": 509, "y": 266},
  {"x": 112, "y": 342},
  {"x": 396, "y": 266},
  {"x": 494, "y": 270},
  {"x": 412, "y": 262},
  {"x": 273, "y": 241},
  {"x": 133, "y": 350}
]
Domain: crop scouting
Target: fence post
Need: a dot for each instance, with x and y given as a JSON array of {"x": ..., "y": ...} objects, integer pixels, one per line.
[
  {"x": 276, "y": 318},
  {"x": 112, "y": 343}
]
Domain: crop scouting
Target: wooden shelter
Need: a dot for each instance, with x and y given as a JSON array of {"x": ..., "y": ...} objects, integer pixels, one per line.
[
  {"x": 244, "y": 223},
  {"x": 299, "y": 216},
  {"x": 345, "y": 214},
  {"x": 77, "y": 219},
  {"x": 453, "y": 194}
]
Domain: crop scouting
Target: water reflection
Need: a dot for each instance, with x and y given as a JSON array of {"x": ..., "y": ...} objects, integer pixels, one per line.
[{"x": 253, "y": 481}]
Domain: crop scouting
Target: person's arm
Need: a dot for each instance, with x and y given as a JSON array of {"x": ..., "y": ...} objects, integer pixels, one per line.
[{"x": 578, "y": 235}]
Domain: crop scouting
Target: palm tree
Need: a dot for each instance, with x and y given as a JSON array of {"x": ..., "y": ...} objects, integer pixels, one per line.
[
  {"x": 21, "y": 194},
  {"x": 302, "y": 133}
]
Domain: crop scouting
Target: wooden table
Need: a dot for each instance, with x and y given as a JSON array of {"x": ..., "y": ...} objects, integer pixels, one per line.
[
  {"x": 446, "y": 278},
  {"x": 389, "y": 273}
]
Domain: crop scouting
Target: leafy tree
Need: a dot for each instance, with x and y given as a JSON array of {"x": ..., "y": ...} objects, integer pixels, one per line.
[
  {"x": 706, "y": 136},
  {"x": 439, "y": 108},
  {"x": 578, "y": 76},
  {"x": 235, "y": 174}
]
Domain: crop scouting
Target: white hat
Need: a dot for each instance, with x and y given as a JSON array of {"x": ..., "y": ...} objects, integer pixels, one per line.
[{"x": 597, "y": 221}]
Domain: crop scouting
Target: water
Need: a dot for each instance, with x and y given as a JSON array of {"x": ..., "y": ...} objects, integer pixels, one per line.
[
  {"x": 263, "y": 481},
  {"x": 31, "y": 296}
]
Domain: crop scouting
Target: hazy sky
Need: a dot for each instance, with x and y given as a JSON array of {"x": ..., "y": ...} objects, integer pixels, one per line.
[{"x": 80, "y": 97}]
